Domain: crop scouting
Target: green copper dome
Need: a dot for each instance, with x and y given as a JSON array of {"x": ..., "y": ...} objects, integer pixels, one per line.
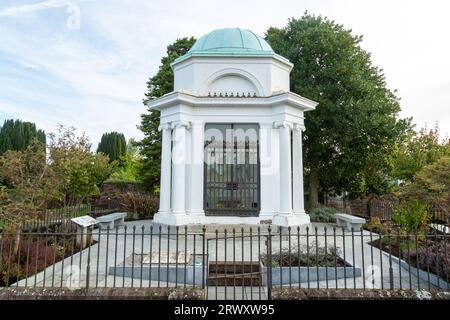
[{"x": 231, "y": 42}]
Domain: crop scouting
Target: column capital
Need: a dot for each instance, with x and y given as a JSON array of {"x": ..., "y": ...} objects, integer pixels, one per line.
[
  {"x": 197, "y": 124},
  {"x": 266, "y": 125},
  {"x": 282, "y": 124},
  {"x": 164, "y": 126},
  {"x": 181, "y": 123},
  {"x": 298, "y": 127}
]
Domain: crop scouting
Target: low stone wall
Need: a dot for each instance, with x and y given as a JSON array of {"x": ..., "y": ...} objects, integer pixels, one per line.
[
  {"x": 357, "y": 294},
  {"x": 101, "y": 294}
]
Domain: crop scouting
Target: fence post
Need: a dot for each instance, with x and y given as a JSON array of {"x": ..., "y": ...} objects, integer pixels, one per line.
[
  {"x": 269, "y": 265},
  {"x": 88, "y": 267},
  {"x": 391, "y": 270},
  {"x": 369, "y": 211},
  {"x": 203, "y": 256}
]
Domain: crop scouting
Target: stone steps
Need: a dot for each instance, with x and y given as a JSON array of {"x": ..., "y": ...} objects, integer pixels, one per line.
[{"x": 234, "y": 274}]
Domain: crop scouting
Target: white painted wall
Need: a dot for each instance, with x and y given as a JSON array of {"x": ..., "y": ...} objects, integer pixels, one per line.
[{"x": 196, "y": 75}]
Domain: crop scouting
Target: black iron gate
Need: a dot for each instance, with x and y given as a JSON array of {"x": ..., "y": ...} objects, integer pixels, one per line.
[{"x": 232, "y": 170}]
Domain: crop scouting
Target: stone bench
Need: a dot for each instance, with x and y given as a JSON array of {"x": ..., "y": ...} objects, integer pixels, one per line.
[
  {"x": 112, "y": 220},
  {"x": 348, "y": 221}
]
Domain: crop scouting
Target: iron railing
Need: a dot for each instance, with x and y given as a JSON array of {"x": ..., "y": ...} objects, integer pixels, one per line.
[
  {"x": 43, "y": 220},
  {"x": 239, "y": 263}
]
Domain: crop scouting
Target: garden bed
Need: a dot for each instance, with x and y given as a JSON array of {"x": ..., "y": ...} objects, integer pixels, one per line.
[
  {"x": 34, "y": 253},
  {"x": 427, "y": 257},
  {"x": 298, "y": 267}
]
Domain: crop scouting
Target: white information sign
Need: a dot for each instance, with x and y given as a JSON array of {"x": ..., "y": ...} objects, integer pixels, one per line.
[{"x": 84, "y": 221}]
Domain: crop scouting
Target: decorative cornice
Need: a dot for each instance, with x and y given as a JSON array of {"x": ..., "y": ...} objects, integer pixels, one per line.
[{"x": 180, "y": 98}]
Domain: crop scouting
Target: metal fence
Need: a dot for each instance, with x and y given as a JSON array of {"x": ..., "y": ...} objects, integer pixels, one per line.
[
  {"x": 385, "y": 209},
  {"x": 229, "y": 263},
  {"x": 52, "y": 217},
  {"x": 61, "y": 217}
]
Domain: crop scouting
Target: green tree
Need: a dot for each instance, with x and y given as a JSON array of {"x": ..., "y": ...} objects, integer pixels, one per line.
[
  {"x": 431, "y": 184},
  {"x": 417, "y": 151},
  {"x": 113, "y": 144},
  {"x": 77, "y": 171},
  {"x": 18, "y": 135},
  {"x": 129, "y": 171},
  {"x": 157, "y": 86},
  {"x": 29, "y": 181},
  {"x": 355, "y": 125}
]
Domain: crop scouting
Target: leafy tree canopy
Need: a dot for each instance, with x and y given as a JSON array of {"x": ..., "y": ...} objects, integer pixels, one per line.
[
  {"x": 113, "y": 144},
  {"x": 33, "y": 180},
  {"x": 18, "y": 135},
  {"x": 355, "y": 127},
  {"x": 431, "y": 184},
  {"x": 417, "y": 151},
  {"x": 129, "y": 171}
]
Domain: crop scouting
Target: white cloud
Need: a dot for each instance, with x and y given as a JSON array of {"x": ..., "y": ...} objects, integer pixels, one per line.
[{"x": 12, "y": 11}]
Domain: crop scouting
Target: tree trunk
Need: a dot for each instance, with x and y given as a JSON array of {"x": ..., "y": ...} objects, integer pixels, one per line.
[{"x": 313, "y": 185}]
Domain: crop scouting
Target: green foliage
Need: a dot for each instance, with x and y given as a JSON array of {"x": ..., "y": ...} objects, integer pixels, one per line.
[
  {"x": 355, "y": 127},
  {"x": 430, "y": 185},
  {"x": 322, "y": 214},
  {"x": 311, "y": 256},
  {"x": 131, "y": 162},
  {"x": 418, "y": 151},
  {"x": 157, "y": 86},
  {"x": 18, "y": 135},
  {"x": 29, "y": 183},
  {"x": 114, "y": 145},
  {"x": 410, "y": 216},
  {"x": 69, "y": 174},
  {"x": 78, "y": 171},
  {"x": 143, "y": 204},
  {"x": 375, "y": 225}
]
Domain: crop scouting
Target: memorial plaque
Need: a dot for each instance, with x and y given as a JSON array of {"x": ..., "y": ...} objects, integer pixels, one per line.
[{"x": 162, "y": 258}]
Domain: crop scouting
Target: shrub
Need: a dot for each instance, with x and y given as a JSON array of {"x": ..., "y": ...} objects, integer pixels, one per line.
[
  {"x": 436, "y": 257},
  {"x": 143, "y": 204},
  {"x": 376, "y": 225},
  {"x": 14, "y": 268},
  {"x": 309, "y": 256},
  {"x": 322, "y": 214},
  {"x": 411, "y": 216}
]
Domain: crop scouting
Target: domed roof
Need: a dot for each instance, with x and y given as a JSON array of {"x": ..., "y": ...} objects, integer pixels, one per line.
[{"x": 231, "y": 42}]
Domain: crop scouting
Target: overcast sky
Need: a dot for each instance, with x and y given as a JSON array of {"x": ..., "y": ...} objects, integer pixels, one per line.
[{"x": 91, "y": 72}]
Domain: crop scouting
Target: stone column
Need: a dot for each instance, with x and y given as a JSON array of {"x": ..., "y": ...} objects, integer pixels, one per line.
[
  {"x": 297, "y": 167},
  {"x": 286, "y": 216},
  {"x": 179, "y": 161},
  {"x": 196, "y": 187},
  {"x": 268, "y": 167},
  {"x": 166, "y": 168},
  {"x": 285, "y": 169}
]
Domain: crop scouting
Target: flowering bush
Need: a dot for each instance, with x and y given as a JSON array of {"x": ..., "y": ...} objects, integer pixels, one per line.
[
  {"x": 436, "y": 257},
  {"x": 33, "y": 255}
]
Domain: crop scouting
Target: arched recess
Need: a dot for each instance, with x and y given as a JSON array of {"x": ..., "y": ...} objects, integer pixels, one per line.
[{"x": 232, "y": 81}]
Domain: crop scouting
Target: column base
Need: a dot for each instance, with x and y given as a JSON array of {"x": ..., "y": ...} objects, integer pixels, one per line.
[
  {"x": 171, "y": 218},
  {"x": 199, "y": 213},
  {"x": 292, "y": 219}
]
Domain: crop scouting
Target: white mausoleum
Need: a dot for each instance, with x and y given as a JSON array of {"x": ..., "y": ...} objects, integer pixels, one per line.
[{"x": 231, "y": 135}]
